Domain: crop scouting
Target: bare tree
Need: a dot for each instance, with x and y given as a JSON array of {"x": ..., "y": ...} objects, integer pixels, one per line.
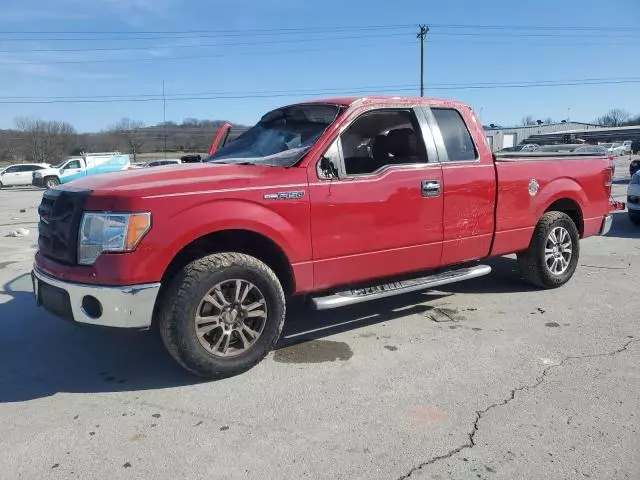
[
  {"x": 132, "y": 132},
  {"x": 614, "y": 118},
  {"x": 549, "y": 120},
  {"x": 528, "y": 120},
  {"x": 45, "y": 141}
]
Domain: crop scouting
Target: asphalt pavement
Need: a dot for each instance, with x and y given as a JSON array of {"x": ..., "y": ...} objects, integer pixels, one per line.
[{"x": 480, "y": 380}]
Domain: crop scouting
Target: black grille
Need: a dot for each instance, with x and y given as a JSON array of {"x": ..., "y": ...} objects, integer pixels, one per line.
[{"x": 60, "y": 215}]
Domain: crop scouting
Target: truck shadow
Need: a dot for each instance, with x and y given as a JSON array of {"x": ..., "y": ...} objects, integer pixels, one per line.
[
  {"x": 42, "y": 355},
  {"x": 622, "y": 227}
]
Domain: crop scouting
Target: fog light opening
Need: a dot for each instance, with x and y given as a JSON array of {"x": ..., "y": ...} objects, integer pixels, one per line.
[{"x": 92, "y": 307}]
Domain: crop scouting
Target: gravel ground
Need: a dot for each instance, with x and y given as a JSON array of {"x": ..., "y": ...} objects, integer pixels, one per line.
[{"x": 484, "y": 379}]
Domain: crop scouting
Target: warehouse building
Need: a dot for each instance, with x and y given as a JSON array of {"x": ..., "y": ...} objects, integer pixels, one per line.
[
  {"x": 501, "y": 137},
  {"x": 591, "y": 135}
]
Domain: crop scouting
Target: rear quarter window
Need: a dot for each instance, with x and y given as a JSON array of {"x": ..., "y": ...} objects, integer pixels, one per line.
[{"x": 455, "y": 134}]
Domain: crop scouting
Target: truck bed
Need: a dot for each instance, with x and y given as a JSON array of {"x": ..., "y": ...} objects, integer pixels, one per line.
[{"x": 524, "y": 190}]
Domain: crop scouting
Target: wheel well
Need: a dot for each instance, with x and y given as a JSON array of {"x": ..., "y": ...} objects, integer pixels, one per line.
[
  {"x": 572, "y": 209},
  {"x": 240, "y": 241}
]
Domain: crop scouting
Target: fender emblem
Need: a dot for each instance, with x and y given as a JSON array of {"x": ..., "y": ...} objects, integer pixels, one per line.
[
  {"x": 533, "y": 187},
  {"x": 285, "y": 195}
]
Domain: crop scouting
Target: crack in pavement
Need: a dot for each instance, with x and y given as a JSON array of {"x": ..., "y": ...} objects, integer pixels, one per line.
[{"x": 470, "y": 443}]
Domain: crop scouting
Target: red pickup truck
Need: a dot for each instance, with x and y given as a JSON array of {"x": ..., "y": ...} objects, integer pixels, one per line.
[{"x": 343, "y": 200}]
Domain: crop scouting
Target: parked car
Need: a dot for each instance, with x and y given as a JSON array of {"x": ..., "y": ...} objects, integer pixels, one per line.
[
  {"x": 344, "y": 201},
  {"x": 618, "y": 150},
  {"x": 530, "y": 147},
  {"x": 160, "y": 163},
  {"x": 77, "y": 167},
  {"x": 19, "y": 174},
  {"x": 633, "y": 198},
  {"x": 627, "y": 146},
  {"x": 615, "y": 149},
  {"x": 591, "y": 149}
]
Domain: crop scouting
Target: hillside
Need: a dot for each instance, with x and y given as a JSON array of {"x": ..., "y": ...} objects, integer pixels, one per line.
[{"x": 41, "y": 141}]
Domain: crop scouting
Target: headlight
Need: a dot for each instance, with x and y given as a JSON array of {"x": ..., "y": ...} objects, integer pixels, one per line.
[
  {"x": 635, "y": 179},
  {"x": 110, "y": 232}
]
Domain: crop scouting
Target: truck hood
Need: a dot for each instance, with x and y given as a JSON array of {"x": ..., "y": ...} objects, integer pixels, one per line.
[{"x": 188, "y": 179}]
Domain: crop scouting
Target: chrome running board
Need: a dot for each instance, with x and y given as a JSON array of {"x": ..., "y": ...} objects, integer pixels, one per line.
[{"x": 374, "y": 292}]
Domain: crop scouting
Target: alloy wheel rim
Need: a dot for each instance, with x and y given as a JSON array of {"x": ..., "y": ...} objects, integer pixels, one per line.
[
  {"x": 558, "y": 251},
  {"x": 230, "y": 318}
]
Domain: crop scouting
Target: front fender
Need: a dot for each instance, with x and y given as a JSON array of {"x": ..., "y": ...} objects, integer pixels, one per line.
[{"x": 288, "y": 228}]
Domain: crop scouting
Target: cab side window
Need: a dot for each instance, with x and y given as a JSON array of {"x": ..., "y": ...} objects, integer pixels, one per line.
[
  {"x": 456, "y": 136},
  {"x": 13, "y": 169},
  {"x": 73, "y": 164},
  {"x": 382, "y": 138}
]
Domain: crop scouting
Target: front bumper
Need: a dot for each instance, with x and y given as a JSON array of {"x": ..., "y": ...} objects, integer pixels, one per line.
[
  {"x": 104, "y": 306},
  {"x": 606, "y": 224}
]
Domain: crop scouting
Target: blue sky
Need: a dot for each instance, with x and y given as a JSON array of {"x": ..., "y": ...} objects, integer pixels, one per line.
[{"x": 264, "y": 51}]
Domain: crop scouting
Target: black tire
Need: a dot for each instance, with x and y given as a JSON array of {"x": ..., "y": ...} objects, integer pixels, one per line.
[
  {"x": 183, "y": 297},
  {"x": 532, "y": 262},
  {"x": 51, "y": 182},
  {"x": 1, "y": 186},
  {"x": 635, "y": 218}
]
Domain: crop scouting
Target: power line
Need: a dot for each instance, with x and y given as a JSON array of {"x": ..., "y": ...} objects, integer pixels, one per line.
[
  {"x": 197, "y": 34},
  {"x": 309, "y": 29},
  {"x": 563, "y": 45},
  {"x": 234, "y": 44},
  {"x": 316, "y": 93}
]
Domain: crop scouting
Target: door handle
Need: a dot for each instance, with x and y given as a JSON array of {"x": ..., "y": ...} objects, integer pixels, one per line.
[{"x": 430, "y": 188}]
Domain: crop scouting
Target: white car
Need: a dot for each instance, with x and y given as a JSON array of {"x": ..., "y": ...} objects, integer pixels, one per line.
[
  {"x": 633, "y": 198},
  {"x": 627, "y": 146},
  {"x": 617, "y": 149},
  {"x": 20, "y": 174}
]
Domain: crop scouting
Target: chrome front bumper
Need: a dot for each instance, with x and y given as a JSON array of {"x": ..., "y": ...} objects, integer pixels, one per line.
[
  {"x": 119, "y": 307},
  {"x": 606, "y": 224}
]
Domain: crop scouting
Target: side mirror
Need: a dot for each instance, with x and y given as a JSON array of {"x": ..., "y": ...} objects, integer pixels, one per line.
[{"x": 329, "y": 168}]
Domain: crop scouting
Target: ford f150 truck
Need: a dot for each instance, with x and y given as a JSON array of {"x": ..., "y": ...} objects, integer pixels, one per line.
[{"x": 343, "y": 200}]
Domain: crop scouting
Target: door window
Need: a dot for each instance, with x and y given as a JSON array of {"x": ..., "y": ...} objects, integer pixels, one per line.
[
  {"x": 72, "y": 164},
  {"x": 382, "y": 138},
  {"x": 13, "y": 169},
  {"x": 456, "y": 136}
]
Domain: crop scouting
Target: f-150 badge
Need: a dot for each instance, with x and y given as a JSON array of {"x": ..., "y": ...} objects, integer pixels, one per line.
[{"x": 285, "y": 195}]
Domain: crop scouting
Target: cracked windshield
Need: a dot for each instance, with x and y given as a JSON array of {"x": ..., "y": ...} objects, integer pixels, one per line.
[{"x": 284, "y": 240}]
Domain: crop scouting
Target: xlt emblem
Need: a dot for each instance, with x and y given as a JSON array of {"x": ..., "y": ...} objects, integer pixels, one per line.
[{"x": 285, "y": 195}]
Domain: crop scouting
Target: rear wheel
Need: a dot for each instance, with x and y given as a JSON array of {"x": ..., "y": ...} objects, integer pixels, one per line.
[
  {"x": 51, "y": 182},
  {"x": 552, "y": 256},
  {"x": 634, "y": 217},
  {"x": 222, "y": 314}
]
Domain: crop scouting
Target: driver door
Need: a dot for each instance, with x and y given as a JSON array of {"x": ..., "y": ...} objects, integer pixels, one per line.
[{"x": 383, "y": 215}]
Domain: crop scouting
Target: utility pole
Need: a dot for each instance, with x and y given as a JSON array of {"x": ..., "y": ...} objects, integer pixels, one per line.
[
  {"x": 164, "y": 120},
  {"x": 422, "y": 33}
]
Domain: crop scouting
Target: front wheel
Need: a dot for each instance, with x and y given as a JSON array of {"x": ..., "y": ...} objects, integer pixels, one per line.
[
  {"x": 51, "y": 182},
  {"x": 552, "y": 256},
  {"x": 222, "y": 314}
]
